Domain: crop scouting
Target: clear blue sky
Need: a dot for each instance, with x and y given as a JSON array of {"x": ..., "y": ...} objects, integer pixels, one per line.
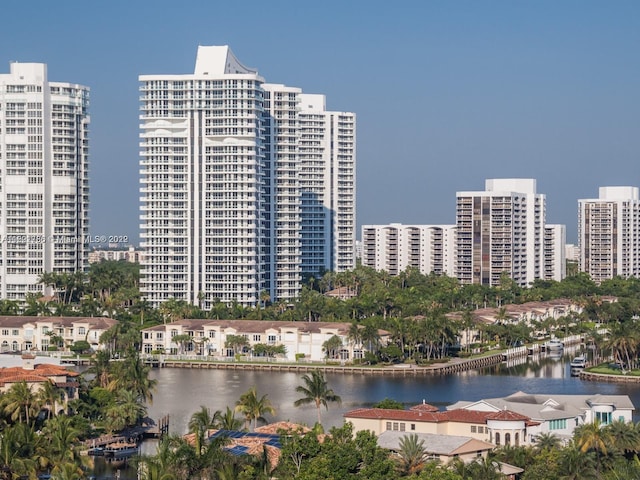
[{"x": 447, "y": 93}]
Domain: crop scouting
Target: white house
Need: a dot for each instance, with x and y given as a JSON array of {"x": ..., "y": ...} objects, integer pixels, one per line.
[
  {"x": 557, "y": 414},
  {"x": 210, "y": 337},
  {"x": 23, "y": 333}
]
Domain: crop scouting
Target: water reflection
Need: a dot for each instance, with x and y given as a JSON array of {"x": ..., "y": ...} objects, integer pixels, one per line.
[{"x": 181, "y": 392}]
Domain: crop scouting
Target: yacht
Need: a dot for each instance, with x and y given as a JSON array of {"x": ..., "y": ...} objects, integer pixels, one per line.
[
  {"x": 554, "y": 344},
  {"x": 579, "y": 362}
]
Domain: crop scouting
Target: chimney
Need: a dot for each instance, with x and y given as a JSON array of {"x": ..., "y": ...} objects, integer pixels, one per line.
[{"x": 28, "y": 361}]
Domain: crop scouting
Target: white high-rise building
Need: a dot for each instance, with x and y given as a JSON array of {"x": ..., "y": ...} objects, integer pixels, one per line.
[
  {"x": 501, "y": 230},
  {"x": 223, "y": 178},
  {"x": 609, "y": 233},
  {"x": 555, "y": 252},
  {"x": 44, "y": 165},
  {"x": 327, "y": 180},
  {"x": 395, "y": 247}
]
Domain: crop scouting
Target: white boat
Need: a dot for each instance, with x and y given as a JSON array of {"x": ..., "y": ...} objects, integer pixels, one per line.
[
  {"x": 579, "y": 362},
  {"x": 120, "y": 450},
  {"x": 554, "y": 344}
]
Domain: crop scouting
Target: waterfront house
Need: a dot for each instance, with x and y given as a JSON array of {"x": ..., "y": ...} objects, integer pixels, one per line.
[
  {"x": 36, "y": 375},
  {"x": 556, "y": 414},
  {"x": 443, "y": 448},
  {"x": 496, "y": 427},
  {"x": 531, "y": 313},
  {"x": 28, "y": 333},
  {"x": 209, "y": 337}
]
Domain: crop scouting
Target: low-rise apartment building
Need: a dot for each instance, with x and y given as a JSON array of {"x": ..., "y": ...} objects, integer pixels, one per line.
[
  {"x": 26, "y": 333},
  {"x": 209, "y": 337}
]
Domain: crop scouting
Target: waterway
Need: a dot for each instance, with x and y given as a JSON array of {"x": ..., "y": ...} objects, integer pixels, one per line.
[{"x": 181, "y": 392}]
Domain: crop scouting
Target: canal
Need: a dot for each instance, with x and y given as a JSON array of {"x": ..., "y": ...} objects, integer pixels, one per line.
[{"x": 181, "y": 392}]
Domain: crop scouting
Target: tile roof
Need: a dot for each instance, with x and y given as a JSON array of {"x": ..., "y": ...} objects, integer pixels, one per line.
[
  {"x": 289, "y": 427},
  {"x": 255, "y": 326},
  {"x": 458, "y": 415},
  {"x": 16, "y": 321},
  {"x": 424, "y": 407},
  {"x": 436, "y": 444}
]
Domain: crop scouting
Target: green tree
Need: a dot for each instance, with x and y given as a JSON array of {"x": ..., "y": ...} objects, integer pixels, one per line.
[
  {"x": 19, "y": 402},
  {"x": 253, "y": 407},
  {"x": 317, "y": 391},
  {"x": 412, "y": 454},
  {"x": 49, "y": 396},
  {"x": 199, "y": 424},
  {"x": 332, "y": 346}
]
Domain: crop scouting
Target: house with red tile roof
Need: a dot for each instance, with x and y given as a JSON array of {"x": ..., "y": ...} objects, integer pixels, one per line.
[
  {"x": 36, "y": 375},
  {"x": 485, "y": 426}
]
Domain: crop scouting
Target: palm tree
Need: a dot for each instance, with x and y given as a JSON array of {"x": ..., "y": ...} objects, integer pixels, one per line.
[
  {"x": 67, "y": 471},
  {"x": 199, "y": 424},
  {"x": 19, "y": 400},
  {"x": 413, "y": 454},
  {"x": 254, "y": 408},
  {"x": 590, "y": 437},
  {"x": 49, "y": 396},
  {"x": 315, "y": 390},
  {"x": 575, "y": 464},
  {"x": 623, "y": 436},
  {"x": 228, "y": 420},
  {"x": 331, "y": 346},
  {"x": 547, "y": 441},
  {"x": 61, "y": 438}
]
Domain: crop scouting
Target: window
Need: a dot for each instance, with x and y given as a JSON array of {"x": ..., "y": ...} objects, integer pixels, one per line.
[
  {"x": 402, "y": 427},
  {"x": 482, "y": 430},
  {"x": 559, "y": 424},
  {"x": 473, "y": 429},
  {"x": 212, "y": 334},
  {"x": 15, "y": 332},
  {"x": 604, "y": 417},
  {"x": 413, "y": 426},
  {"x": 5, "y": 331},
  {"x": 517, "y": 438},
  {"x": 388, "y": 425},
  {"x": 497, "y": 438},
  {"x": 507, "y": 439},
  {"x": 256, "y": 338},
  {"x": 81, "y": 331},
  {"x": 396, "y": 426}
]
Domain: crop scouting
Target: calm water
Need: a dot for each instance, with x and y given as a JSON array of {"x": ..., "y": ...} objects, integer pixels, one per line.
[{"x": 181, "y": 392}]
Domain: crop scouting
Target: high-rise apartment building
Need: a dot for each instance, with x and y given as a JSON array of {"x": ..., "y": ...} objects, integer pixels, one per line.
[
  {"x": 502, "y": 229},
  {"x": 609, "y": 233},
  {"x": 241, "y": 185},
  {"x": 327, "y": 150},
  {"x": 44, "y": 150},
  {"x": 395, "y": 247},
  {"x": 554, "y": 252}
]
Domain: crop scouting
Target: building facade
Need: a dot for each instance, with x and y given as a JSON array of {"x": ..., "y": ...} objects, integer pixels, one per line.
[
  {"x": 20, "y": 334},
  {"x": 44, "y": 170},
  {"x": 502, "y": 229},
  {"x": 209, "y": 337},
  {"x": 609, "y": 233},
  {"x": 233, "y": 171},
  {"x": 555, "y": 252},
  {"x": 395, "y": 247}
]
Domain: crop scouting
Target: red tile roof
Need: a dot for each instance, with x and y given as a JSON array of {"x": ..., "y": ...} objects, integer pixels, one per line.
[
  {"x": 459, "y": 415},
  {"x": 424, "y": 407}
]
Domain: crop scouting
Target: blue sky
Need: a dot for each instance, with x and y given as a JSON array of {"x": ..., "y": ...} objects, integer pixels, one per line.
[{"x": 447, "y": 93}]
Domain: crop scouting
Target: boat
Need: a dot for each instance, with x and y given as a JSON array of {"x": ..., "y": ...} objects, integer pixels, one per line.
[
  {"x": 120, "y": 450},
  {"x": 96, "y": 451},
  {"x": 554, "y": 344},
  {"x": 579, "y": 362}
]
